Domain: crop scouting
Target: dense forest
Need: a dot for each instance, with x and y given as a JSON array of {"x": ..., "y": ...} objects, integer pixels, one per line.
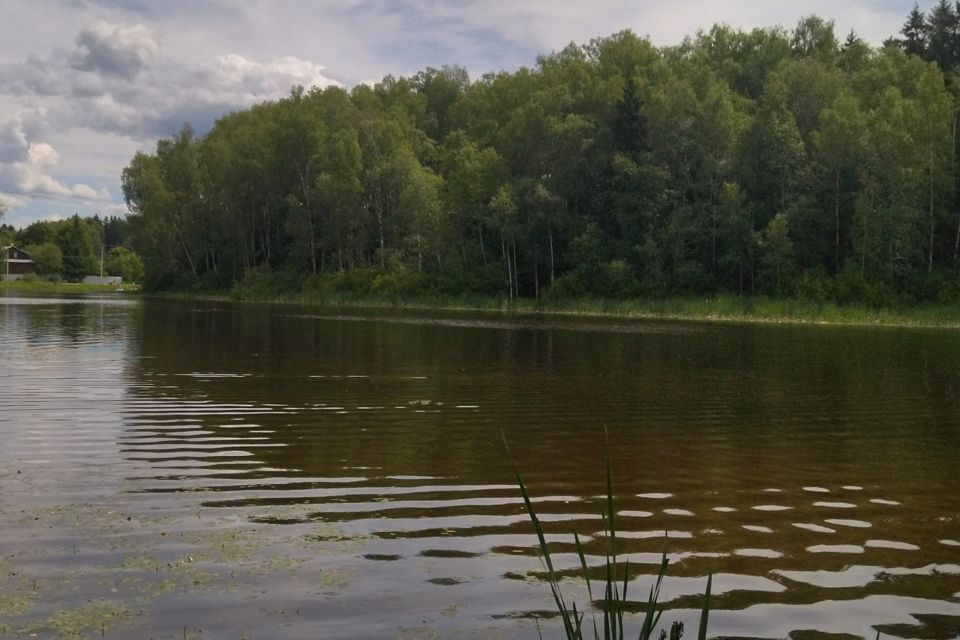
[{"x": 771, "y": 161}]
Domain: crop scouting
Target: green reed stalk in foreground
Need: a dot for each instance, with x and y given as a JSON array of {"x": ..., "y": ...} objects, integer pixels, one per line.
[{"x": 612, "y": 605}]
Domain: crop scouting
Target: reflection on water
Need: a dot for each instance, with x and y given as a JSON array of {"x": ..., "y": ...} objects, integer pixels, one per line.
[{"x": 192, "y": 469}]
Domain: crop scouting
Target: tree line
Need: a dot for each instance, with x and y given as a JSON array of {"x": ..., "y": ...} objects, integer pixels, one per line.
[
  {"x": 934, "y": 35},
  {"x": 770, "y": 161},
  {"x": 77, "y": 247}
]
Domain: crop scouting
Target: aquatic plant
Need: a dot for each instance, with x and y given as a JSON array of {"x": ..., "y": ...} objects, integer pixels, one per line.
[{"x": 611, "y": 607}]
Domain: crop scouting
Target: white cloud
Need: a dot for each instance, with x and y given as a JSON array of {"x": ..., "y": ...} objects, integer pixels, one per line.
[
  {"x": 176, "y": 93},
  {"x": 95, "y": 155},
  {"x": 120, "y": 88},
  {"x": 106, "y": 209},
  {"x": 16, "y": 132},
  {"x": 114, "y": 49},
  {"x": 31, "y": 77},
  {"x": 118, "y": 80},
  {"x": 32, "y": 177},
  {"x": 26, "y": 162},
  {"x": 87, "y": 85},
  {"x": 266, "y": 79},
  {"x": 10, "y": 201}
]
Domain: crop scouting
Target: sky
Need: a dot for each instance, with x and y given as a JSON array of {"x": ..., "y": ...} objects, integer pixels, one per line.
[{"x": 85, "y": 84}]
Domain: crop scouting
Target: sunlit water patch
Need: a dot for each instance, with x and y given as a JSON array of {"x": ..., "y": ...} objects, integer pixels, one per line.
[
  {"x": 843, "y": 522},
  {"x": 835, "y": 548}
]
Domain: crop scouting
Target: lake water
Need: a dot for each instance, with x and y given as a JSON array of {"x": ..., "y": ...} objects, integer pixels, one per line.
[{"x": 176, "y": 469}]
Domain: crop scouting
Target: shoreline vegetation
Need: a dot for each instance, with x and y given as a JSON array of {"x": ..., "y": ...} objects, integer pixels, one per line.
[
  {"x": 722, "y": 307},
  {"x": 412, "y": 290},
  {"x": 718, "y": 308},
  {"x": 39, "y": 286}
]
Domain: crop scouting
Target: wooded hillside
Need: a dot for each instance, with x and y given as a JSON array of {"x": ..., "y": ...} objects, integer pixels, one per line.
[{"x": 769, "y": 161}]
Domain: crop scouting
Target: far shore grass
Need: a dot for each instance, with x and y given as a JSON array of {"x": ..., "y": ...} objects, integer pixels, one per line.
[
  {"x": 41, "y": 286},
  {"x": 719, "y": 308}
]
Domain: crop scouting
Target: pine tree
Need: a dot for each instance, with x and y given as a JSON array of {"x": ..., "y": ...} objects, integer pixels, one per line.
[{"x": 915, "y": 33}]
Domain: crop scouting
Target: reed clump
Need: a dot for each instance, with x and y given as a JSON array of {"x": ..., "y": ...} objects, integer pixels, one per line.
[{"x": 607, "y": 613}]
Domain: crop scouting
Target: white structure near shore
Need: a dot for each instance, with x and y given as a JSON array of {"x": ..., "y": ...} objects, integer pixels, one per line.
[{"x": 112, "y": 280}]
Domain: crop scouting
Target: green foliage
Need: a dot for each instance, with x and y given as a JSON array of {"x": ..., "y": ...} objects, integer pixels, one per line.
[
  {"x": 54, "y": 285},
  {"x": 776, "y": 252},
  {"x": 567, "y": 287},
  {"x": 47, "y": 258},
  {"x": 7, "y": 235},
  {"x": 72, "y": 247},
  {"x": 765, "y": 162},
  {"x": 355, "y": 281},
  {"x": 122, "y": 262},
  {"x": 934, "y": 36},
  {"x": 80, "y": 243},
  {"x": 39, "y": 232},
  {"x": 262, "y": 283}
]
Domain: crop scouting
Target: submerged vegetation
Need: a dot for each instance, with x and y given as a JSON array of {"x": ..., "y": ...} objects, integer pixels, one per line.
[{"x": 771, "y": 162}]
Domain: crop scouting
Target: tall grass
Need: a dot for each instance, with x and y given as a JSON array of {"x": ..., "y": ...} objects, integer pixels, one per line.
[
  {"x": 612, "y": 605},
  {"x": 724, "y": 307}
]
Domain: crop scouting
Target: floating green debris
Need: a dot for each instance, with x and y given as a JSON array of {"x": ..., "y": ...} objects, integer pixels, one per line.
[
  {"x": 17, "y": 604},
  {"x": 332, "y": 581},
  {"x": 96, "y": 616}
]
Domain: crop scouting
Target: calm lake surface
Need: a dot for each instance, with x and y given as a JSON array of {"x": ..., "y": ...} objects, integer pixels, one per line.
[{"x": 176, "y": 469}]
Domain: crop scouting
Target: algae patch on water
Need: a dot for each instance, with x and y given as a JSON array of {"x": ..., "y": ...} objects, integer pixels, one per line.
[
  {"x": 17, "y": 604},
  {"x": 94, "y": 618}
]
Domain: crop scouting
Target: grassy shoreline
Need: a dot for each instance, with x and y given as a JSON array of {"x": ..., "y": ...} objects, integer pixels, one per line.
[
  {"x": 36, "y": 286},
  {"x": 723, "y": 308}
]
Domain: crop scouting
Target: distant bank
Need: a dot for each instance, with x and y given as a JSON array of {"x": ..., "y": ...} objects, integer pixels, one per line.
[
  {"x": 36, "y": 286},
  {"x": 722, "y": 308}
]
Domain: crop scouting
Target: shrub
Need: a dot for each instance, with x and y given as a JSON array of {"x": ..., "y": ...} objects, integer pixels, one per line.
[
  {"x": 262, "y": 282},
  {"x": 569, "y": 285},
  {"x": 47, "y": 258}
]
